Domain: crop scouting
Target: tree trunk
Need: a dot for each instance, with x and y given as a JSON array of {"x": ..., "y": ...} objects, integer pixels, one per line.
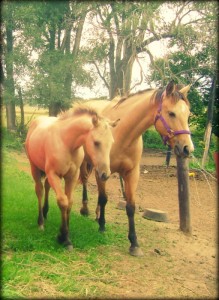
[
  {"x": 21, "y": 104},
  {"x": 208, "y": 130},
  {"x": 128, "y": 75},
  {"x": 11, "y": 116},
  {"x": 54, "y": 109},
  {"x": 9, "y": 82},
  {"x": 113, "y": 78},
  {"x": 121, "y": 66},
  {"x": 66, "y": 46},
  {"x": 68, "y": 74}
]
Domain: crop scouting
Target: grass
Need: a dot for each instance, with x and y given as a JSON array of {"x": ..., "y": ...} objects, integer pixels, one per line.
[{"x": 34, "y": 264}]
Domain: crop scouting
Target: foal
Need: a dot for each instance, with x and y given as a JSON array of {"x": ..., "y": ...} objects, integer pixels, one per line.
[{"x": 56, "y": 147}]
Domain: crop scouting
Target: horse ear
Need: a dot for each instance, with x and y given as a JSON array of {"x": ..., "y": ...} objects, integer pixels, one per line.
[
  {"x": 95, "y": 120},
  {"x": 170, "y": 88},
  {"x": 185, "y": 90},
  {"x": 114, "y": 123}
]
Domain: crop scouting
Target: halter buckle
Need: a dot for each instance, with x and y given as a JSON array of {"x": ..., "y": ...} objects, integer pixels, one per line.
[{"x": 170, "y": 133}]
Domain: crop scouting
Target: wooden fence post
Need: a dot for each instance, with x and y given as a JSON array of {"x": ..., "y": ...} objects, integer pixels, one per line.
[{"x": 183, "y": 194}]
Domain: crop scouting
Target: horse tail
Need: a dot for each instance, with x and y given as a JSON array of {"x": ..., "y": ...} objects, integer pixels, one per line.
[{"x": 42, "y": 174}]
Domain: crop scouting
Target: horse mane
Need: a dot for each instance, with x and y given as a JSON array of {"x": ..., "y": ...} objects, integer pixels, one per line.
[
  {"x": 124, "y": 98},
  {"x": 176, "y": 96},
  {"x": 78, "y": 109}
]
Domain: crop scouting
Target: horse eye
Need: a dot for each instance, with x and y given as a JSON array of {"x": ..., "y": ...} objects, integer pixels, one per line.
[
  {"x": 96, "y": 144},
  {"x": 171, "y": 114}
]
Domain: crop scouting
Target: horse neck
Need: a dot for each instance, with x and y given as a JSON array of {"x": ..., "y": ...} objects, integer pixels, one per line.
[
  {"x": 136, "y": 115},
  {"x": 74, "y": 130}
]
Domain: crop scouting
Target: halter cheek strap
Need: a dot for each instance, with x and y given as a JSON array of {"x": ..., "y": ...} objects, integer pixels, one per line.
[{"x": 170, "y": 132}]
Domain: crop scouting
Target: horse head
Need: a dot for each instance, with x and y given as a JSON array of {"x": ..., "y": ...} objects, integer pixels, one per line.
[
  {"x": 172, "y": 117},
  {"x": 98, "y": 145}
]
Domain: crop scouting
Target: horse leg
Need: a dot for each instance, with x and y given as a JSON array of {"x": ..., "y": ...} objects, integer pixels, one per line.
[
  {"x": 85, "y": 171},
  {"x": 39, "y": 192},
  {"x": 70, "y": 183},
  {"x": 102, "y": 201},
  {"x": 131, "y": 181},
  {"x": 84, "y": 209},
  {"x": 46, "y": 199},
  {"x": 97, "y": 211},
  {"x": 63, "y": 203}
]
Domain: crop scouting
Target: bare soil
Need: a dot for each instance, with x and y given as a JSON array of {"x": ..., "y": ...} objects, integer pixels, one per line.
[{"x": 188, "y": 266}]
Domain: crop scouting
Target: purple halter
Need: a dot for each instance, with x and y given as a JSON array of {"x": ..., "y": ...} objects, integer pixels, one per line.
[{"x": 171, "y": 132}]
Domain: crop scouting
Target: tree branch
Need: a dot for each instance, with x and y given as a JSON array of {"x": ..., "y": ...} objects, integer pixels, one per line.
[
  {"x": 152, "y": 39},
  {"x": 155, "y": 66},
  {"x": 101, "y": 76},
  {"x": 141, "y": 74},
  {"x": 78, "y": 35}
]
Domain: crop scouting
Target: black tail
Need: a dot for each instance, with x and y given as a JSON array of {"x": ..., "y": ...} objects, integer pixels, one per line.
[{"x": 42, "y": 173}]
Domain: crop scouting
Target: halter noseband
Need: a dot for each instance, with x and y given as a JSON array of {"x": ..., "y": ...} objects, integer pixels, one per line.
[{"x": 170, "y": 132}]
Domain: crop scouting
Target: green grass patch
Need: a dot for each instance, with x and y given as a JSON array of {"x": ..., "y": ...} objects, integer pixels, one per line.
[
  {"x": 33, "y": 263},
  {"x": 11, "y": 140}
]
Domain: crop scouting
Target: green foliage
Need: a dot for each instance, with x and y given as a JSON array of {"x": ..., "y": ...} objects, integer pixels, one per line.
[
  {"x": 153, "y": 140},
  {"x": 50, "y": 30},
  {"x": 197, "y": 138},
  {"x": 192, "y": 59},
  {"x": 11, "y": 140}
]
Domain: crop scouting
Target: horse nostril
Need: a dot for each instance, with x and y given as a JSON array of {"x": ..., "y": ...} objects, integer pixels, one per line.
[
  {"x": 186, "y": 151},
  {"x": 104, "y": 177}
]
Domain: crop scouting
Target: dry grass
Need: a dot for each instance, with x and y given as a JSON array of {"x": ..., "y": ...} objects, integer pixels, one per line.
[{"x": 30, "y": 112}]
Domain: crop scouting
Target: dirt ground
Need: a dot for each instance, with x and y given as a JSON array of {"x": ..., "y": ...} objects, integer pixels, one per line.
[{"x": 194, "y": 271}]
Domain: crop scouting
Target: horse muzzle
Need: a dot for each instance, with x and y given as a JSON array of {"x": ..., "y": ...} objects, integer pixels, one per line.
[
  {"x": 103, "y": 173},
  {"x": 104, "y": 177},
  {"x": 183, "y": 151}
]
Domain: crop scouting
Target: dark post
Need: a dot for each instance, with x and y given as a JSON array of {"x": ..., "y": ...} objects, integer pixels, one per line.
[
  {"x": 183, "y": 194},
  {"x": 168, "y": 155}
]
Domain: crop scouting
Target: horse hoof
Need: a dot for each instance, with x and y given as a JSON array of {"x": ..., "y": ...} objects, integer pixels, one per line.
[
  {"x": 69, "y": 248},
  {"x": 135, "y": 251},
  {"x": 84, "y": 212},
  {"x": 102, "y": 229},
  {"x": 41, "y": 227}
]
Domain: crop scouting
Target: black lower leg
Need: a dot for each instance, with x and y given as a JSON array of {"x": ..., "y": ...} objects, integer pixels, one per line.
[
  {"x": 130, "y": 210},
  {"x": 46, "y": 199},
  {"x": 102, "y": 200},
  {"x": 40, "y": 219},
  {"x": 63, "y": 237},
  {"x": 84, "y": 210},
  {"x": 45, "y": 208}
]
